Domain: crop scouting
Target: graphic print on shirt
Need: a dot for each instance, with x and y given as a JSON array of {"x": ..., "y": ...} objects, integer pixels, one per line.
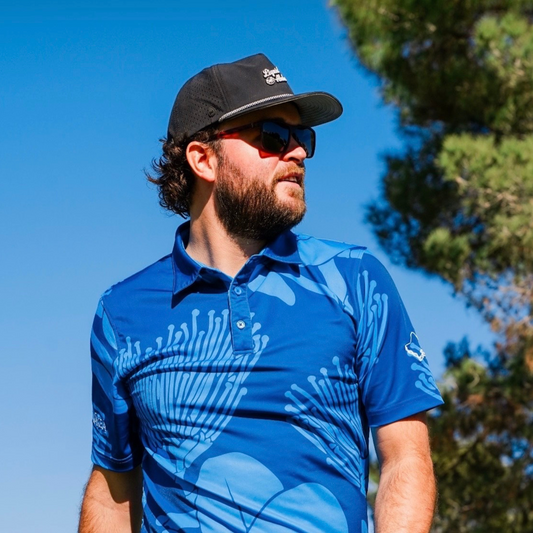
[
  {"x": 276, "y": 284},
  {"x": 257, "y": 502},
  {"x": 103, "y": 347},
  {"x": 191, "y": 387},
  {"x": 326, "y": 418},
  {"x": 373, "y": 322},
  {"x": 326, "y": 413},
  {"x": 425, "y": 381}
]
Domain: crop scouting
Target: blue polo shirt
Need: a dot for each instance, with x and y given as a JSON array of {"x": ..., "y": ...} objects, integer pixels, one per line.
[{"x": 248, "y": 400}]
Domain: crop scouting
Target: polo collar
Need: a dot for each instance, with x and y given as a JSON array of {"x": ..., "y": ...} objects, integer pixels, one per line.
[
  {"x": 186, "y": 270},
  {"x": 284, "y": 248}
]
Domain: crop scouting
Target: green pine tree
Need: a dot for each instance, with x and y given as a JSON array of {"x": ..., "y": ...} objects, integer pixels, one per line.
[{"x": 458, "y": 203}]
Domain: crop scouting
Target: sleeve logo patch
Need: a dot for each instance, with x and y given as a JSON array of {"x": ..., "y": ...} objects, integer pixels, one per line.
[
  {"x": 98, "y": 423},
  {"x": 413, "y": 348}
]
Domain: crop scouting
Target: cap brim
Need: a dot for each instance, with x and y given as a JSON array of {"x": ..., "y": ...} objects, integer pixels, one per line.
[{"x": 315, "y": 108}]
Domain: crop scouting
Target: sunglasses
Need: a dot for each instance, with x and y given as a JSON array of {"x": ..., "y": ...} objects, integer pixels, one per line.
[{"x": 276, "y": 137}]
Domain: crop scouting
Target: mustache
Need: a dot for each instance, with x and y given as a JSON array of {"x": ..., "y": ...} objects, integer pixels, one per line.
[{"x": 292, "y": 170}]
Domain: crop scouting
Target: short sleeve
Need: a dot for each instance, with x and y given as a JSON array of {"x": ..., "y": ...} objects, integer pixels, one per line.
[
  {"x": 115, "y": 441},
  {"x": 394, "y": 376}
]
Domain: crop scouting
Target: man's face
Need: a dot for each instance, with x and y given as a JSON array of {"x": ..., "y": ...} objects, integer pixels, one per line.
[{"x": 258, "y": 195}]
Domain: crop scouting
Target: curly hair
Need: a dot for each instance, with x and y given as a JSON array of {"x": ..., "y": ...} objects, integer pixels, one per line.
[{"x": 173, "y": 175}]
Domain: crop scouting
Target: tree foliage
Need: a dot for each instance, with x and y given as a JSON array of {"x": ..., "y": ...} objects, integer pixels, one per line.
[
  {"x": 465, "y": 63},
  {"x": 460, "y": 73},
  {"x": 458, "y": 202},
  {"x": 483, "y": 443}
]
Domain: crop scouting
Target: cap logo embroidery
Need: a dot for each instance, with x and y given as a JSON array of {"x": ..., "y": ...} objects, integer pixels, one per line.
[{"x": 273, "y": 76}]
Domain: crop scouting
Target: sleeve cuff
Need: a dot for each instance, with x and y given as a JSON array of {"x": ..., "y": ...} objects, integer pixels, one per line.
[
  {"x": 116, "y": 465},
  {"x": 400, "y": 411}
]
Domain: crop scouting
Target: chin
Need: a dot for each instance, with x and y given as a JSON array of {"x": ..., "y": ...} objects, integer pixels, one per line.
[
  {"x": 291, "y": 196},
  {"x": 297, "y": 207}
]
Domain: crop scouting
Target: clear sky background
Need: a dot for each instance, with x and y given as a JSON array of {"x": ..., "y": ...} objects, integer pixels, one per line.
[{"x": 85, "y": 93}]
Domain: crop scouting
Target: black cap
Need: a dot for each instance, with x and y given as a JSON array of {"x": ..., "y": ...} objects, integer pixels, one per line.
[{"x": 229, "y": 90}]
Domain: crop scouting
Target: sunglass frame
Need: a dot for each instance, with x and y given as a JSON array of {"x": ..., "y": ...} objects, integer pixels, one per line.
[{"x": 292, "y": 132}]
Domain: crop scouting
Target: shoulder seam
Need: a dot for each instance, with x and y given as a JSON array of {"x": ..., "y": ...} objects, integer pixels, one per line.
[{"x": 115, "y": 331}]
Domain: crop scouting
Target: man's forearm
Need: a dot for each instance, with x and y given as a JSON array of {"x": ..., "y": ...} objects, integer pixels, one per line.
[
  {"x": 406, "y": 496},
  {"x": 96, "y": 517},
  {"x": 111, "y": 507}
]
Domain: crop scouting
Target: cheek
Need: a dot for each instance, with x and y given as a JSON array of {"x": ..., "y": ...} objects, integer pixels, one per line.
[
  {"x": 250, "y": 160},
  {"x": 259, "y": 170},
  {"x": 250, "y": 152}
]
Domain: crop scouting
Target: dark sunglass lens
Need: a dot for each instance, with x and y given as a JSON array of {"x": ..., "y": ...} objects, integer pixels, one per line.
[
  {"x": 305, "y": 137},
  {"x": 274, "y": 137}
]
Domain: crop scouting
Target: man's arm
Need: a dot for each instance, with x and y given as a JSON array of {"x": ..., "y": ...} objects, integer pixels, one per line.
[
  {"x": 112, "y": 502},
  {"x": 405, "y": 501}
]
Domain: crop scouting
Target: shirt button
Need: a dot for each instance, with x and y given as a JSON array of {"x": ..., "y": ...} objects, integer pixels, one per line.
[
  {"x": 241, "y": 324},
  {"x": 237, "y": 290}
]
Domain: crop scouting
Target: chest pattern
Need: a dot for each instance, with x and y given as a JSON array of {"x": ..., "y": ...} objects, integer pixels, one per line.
[{"x": 190, "y": 381}]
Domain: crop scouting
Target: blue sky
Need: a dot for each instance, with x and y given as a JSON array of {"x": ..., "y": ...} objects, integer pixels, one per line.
[{"x": 86, "y": 90}]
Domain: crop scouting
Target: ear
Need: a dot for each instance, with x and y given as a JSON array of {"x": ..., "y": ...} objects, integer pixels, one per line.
[{"x": 202, "y": 160}]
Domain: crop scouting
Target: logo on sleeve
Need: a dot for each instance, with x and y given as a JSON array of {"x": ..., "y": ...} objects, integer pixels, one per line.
[
  {"x": 413, "y": 348},
  {"x": 98, "y": 423}
]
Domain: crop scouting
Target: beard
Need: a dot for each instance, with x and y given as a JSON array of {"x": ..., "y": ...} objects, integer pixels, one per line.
[{"x": 250, "y": 208}]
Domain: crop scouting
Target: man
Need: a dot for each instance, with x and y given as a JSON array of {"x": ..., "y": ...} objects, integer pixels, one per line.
[{"x": 235, "y": 380}]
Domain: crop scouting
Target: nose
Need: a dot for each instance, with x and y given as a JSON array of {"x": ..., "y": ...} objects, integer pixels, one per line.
[{"x": 294, "y": 152}]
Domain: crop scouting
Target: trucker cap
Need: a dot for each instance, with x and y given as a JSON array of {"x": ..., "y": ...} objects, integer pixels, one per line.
[{"x": 229, "y": 90}]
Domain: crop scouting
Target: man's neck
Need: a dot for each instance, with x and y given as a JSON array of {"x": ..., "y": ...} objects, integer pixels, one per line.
[{"x": 210, "y": 244}]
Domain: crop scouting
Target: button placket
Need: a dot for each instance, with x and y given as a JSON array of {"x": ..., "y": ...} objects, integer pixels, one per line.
[{"x": 240, "y": 315}]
